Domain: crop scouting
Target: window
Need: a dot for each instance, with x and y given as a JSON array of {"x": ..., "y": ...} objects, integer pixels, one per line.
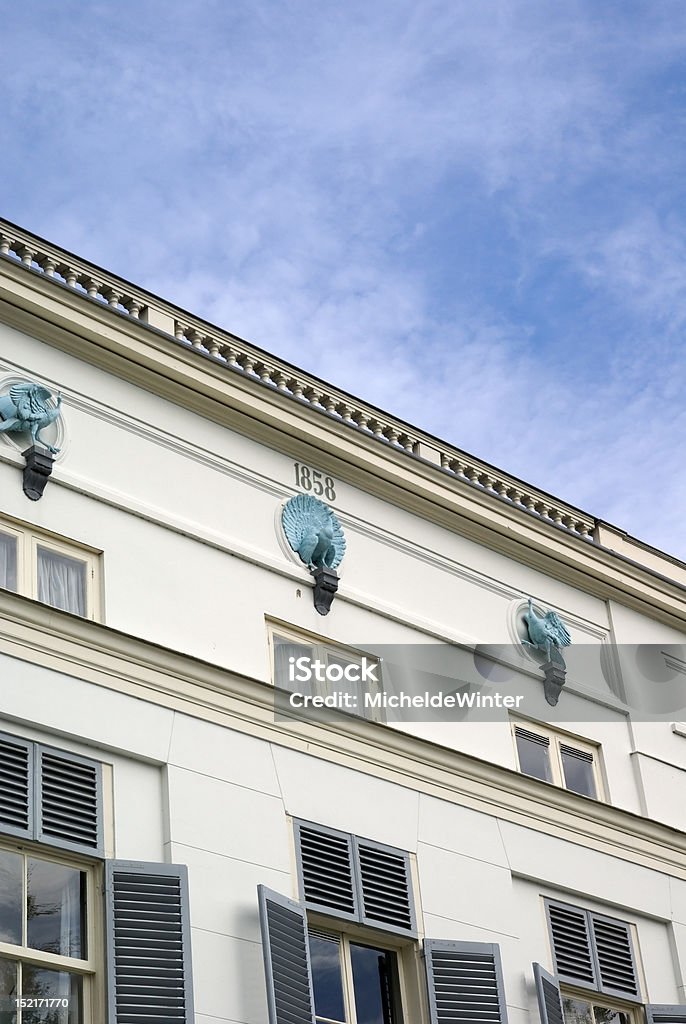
[
  {"x": 365, "y": 969},
  {"x": 325, "y": 669},
  {"x": 353, "y": 983},
  {"x": 560, "y": 759},
  {"x": 48, "y": 569},
  {"x": 46, "y": 943}
]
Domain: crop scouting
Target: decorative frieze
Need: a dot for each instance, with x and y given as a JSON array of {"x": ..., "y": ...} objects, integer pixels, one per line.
[{"x": 239, "y": 357}]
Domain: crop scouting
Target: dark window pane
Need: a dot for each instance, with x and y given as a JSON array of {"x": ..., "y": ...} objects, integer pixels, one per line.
[
  {"x": 534, "y": 758},
  {"x": 577, "y": 1011},
  {"x": 604, "y": 1015},
  {"x": 62, "y": 581},
  {"x": 374, "y": 985},
  {"x": 56, "y": 902},
  {"x": 38, "y": 983},
  {"x": 8, "y": 992},
  {"x": 578, "y": 771},
  {"x": 325, "y": 956},
  {"x": 11, "y": 886},
  {"x": 8, "y": 561}
]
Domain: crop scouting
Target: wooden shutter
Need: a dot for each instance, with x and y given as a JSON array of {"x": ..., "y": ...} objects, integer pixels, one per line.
[
  {"x": 385, "y": 886},
  {"x": 327, "y": 873},
  {"x": 69, "y": 800},
  {"x": 16, "y": 786},
  {"x": 571, "y": 940},
  {"x": 665, "y": 1013},
  {"x": 615, "y": 956},
  {"x": 549, "y": 999},
  {"x": 465, "y": 982},
  {"x": 286, "y": 954},
  {"x": 148, "y": 938}
]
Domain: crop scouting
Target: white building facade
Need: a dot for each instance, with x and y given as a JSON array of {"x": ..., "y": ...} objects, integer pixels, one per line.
[{"x": 172, "y": 848}]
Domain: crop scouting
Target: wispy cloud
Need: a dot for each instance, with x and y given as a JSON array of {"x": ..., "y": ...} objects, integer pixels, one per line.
[{"x": 470, "y": 214}]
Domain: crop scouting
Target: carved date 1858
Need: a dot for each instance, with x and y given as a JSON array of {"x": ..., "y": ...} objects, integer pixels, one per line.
[{"x": 311, "y": 480}]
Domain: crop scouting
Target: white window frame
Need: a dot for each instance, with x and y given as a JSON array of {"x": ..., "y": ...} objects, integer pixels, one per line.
[
  {"x": 322, "y": 647},
  {"x": 556, "y": 739},
  {"x": 594, "y": 998},
  {"x": 406, "y": 953},
  {"x": 29, "y": 539},
  {"x": 91, "y": 969}
]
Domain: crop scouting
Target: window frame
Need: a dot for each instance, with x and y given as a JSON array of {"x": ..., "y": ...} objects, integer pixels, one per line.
[
  {"x": 351, "y": 933},
  {"x": 90, "y": 969},
  {"x": 595, "y": 998},
  {"x": 556, "y": 740},
  {"x": 321, "y": 647},
  {"x": 29, "y": 538}
]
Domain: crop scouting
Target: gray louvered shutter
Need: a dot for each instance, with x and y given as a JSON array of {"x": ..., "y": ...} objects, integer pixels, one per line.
[
  {"x": 385, "y": 886},
  {"x": 665, "y": 1013},
  {"x": 16, "y": 786},
  {"x": 571, "y": 941},
  {"x": 549, "y": 999},
  {"x": 69, "y": 793},
  {"x": 327, "y": 873},
  {"x": 286, "y": 952},
  {"x": 465, "y": 982},
  {"x": 615, "y": 956},
  {"x": 149, "y": 944}
]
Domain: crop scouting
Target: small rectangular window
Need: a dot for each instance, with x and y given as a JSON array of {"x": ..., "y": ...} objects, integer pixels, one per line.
[
  {"x": 61, "y": 581},
  {"x": 534, "y": 754},
  {"x": 558, "y": 758},
  {"x": 353, "y": 983},
  {"x": 8, "y": 561},
  {"x": 49, "y": 569},
  {"x": 577, "y": 767}
]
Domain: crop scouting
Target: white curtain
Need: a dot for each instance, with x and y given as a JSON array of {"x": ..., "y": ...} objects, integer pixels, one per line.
[
  {"x": 61, "y": 581},
  {"x": 8, "y": 562}
]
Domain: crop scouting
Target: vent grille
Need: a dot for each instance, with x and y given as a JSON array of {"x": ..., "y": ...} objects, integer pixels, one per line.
[
  {"x": 149, "y": 969},
  {"x": 289, "y": 964},
  {"x": 580, "y": 755},
  {"x": 327, "y": 870},
  {"x": 571, "y": 945},
  {"x": 15, "y": 785},
  {"x": 615, "y": 955},
  {"x": 464, "y": 986},
  {"x": 535, "y": 737},
  {"x": 385, "y": 886},
  {"x": 69, "y": 800}
]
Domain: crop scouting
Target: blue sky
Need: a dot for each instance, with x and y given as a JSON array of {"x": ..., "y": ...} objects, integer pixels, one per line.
[{"x": 469, "y": 213}]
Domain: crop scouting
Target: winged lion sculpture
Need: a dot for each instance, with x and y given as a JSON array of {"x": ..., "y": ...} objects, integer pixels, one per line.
[{"x": 27, "y": 409}]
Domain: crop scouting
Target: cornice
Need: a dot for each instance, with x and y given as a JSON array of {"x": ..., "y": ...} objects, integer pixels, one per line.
[
  {"x": 116, "y": 661},
  {"x": 137, "y": 352}
]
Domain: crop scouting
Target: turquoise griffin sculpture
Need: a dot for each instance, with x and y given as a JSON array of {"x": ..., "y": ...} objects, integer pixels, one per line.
[
  {"x": 313, "y": 531},
  {"x": 547, "y": 634},
  {"x": 26, "y": 409}
]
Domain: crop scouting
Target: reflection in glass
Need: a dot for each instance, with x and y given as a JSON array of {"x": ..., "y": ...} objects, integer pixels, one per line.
[
  {"x": 577, "y": 1011},
  {"x": 8, "y": 992},
  {"x": 39, "y": 983},
  {"x": 61, "y": 581},
  {"x": 534, "y": 757},
  {"x": 8, "y": 561},
  {"x": 56, "y": 902},
  {"x": 374, "y": 979},
  {"x": 604, "y": 1015},
  {"x": 578, "y": 770},
  {"x": 326, "y": 976},
  {"x": 11, "y": 886}
]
